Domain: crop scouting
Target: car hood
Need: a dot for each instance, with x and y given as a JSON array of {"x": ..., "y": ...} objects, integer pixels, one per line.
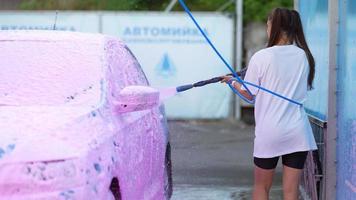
[{"x": 42, "y": 133}]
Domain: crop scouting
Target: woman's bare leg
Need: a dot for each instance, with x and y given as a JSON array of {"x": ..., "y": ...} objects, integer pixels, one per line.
[
  {"x": 291, "y": 178},
  {"x": 263, "y": 183}
]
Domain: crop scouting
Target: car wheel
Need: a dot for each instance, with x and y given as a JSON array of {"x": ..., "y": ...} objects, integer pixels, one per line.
[{"x": 168, "y": 172}]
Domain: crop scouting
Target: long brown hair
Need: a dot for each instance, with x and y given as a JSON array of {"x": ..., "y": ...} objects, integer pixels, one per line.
[{"x": 285, "y": 21}]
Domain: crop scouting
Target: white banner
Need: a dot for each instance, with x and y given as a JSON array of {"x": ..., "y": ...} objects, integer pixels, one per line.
[
  {"x": 172, "y": 52},
  {"x": 169, "y": 47}
]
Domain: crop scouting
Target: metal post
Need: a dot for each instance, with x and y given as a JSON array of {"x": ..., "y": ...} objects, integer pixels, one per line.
[
  {"x": 331, "y": 133},
  {"x": 296, "y": 5},
  {"x": 55, "y": 21},
  {"x": 170, "y": 6},
  {"x": 238, "y": 56},
  {"x": 225, "y": 6},
  {"x": 100, "y": 22}
]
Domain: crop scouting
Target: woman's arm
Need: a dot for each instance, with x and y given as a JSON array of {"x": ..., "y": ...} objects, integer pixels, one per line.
[{"x": 237, "y": 86}]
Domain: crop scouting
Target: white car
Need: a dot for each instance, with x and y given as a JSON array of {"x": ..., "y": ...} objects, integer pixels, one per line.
[{"x": 78, "y": 120}]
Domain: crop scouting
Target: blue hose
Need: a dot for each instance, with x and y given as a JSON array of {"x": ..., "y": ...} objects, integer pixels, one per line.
[{"x": 243, "y": 83}]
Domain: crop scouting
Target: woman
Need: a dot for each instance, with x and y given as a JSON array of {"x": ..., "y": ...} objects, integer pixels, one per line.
[{"x": 282, "y": 129}]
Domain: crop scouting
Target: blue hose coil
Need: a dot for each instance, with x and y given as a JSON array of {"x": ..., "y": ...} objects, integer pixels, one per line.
[{"x": 243, "y": 83}]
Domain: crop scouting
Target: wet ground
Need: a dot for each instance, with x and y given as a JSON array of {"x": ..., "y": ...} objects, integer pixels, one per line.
[{"x": 212, "y": 160}]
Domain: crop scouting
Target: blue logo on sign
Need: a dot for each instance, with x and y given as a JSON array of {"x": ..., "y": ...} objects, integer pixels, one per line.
[{"x": 166, "y": 67}]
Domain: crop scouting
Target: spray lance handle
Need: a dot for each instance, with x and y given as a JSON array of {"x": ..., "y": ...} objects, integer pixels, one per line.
[
  {"x": 209, "y": 81},
  {"x": 241, "y": 74},
  {"x": 206, "y": 82},
  {"x": 199, "y": 84}
]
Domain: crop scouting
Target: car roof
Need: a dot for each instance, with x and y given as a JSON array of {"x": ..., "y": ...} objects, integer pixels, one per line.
[
  {"x": 48, "y": 35},
  {"x": 56, "y": 67}
]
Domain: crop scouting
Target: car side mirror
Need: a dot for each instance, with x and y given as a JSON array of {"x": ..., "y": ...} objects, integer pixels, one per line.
[{"x": 136, "y": 98}]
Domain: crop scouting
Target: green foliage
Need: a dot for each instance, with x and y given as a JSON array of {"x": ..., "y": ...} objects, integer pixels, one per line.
[
  {"x": 257, "y": 10},
  {"x": 93, "y": 4},
  {"x": 205, "y": 5},
  {"x": 254, "y": 10}
]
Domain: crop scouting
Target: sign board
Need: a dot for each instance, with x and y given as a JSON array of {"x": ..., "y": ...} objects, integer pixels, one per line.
[{"x": 172, "y": 52}]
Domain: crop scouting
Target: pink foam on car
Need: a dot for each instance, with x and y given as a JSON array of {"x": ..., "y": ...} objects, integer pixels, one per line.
[{"x": 60, "y": 134}]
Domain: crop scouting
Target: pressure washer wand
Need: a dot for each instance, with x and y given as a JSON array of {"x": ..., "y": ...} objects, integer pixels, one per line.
[
  {"x": 198, "y": 84},
  {"x": 209, "y": 81}
]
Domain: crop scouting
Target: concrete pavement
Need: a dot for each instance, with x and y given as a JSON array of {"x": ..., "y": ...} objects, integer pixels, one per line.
[{"x": 212, "y": 160}]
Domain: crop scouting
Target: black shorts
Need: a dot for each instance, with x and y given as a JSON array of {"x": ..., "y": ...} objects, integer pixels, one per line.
[{"x": 294, "y": 160}]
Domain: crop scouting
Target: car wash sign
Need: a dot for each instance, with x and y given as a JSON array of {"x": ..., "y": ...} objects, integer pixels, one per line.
[
  {"x": 158, "y": 34},
  {"x": 173, "y": 52}
]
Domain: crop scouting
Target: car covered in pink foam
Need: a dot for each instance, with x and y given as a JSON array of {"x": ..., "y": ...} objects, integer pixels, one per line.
[{"x": 78, "y": 120}]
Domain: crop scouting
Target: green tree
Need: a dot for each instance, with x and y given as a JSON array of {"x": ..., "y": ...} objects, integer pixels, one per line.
[
  {"x": 93, "y": 4},
  {"x": 254, "y": 10},
  {"x": 257, "y": 10}
]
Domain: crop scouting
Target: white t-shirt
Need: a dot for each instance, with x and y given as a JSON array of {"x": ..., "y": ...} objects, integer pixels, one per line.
[{"x": 282, "y": 127}]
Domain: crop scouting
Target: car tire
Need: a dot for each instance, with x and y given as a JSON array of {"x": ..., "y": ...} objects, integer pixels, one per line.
[{"x": 168, "y": 173}]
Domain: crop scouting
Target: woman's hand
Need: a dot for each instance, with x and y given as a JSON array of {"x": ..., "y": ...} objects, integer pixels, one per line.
[
  {"x": 226, "y": 79},
  {"x": 232, "y": 81}
]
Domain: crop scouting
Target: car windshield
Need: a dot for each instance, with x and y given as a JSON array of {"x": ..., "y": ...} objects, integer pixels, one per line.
[{"x": 50, "y": 73}]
